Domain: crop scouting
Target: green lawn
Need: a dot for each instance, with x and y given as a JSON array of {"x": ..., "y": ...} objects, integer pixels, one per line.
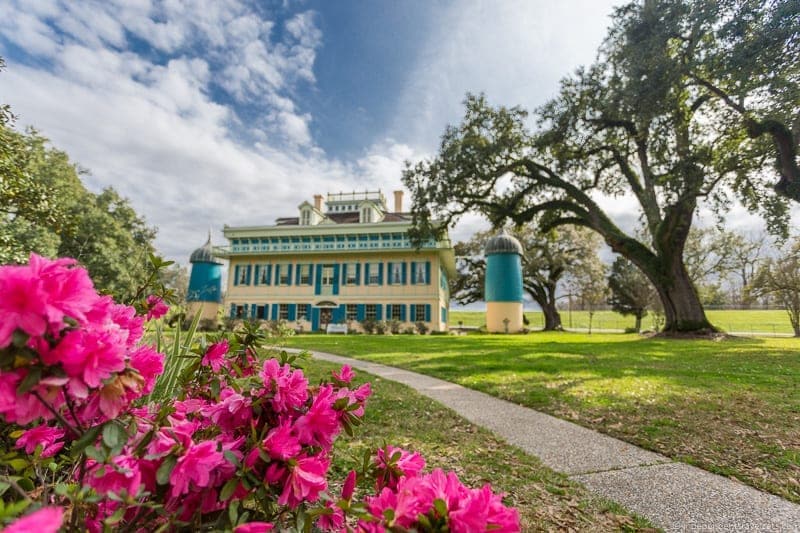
[
  {"x": 744, "y": 321},
  {"x": 546, "y": 500},
  {"x": 730, "y": 406}
]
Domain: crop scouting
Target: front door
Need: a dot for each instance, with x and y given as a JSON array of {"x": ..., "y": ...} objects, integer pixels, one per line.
[{"x": 325, "y": 316}]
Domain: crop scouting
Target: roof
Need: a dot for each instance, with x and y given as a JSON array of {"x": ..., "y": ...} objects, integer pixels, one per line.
[
  {"x": 345, "y": 218},
  {"x": 204, "y": 254},
  {"x": 503, "y": 243}
]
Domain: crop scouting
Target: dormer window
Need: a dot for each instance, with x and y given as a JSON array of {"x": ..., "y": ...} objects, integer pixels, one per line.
[
  {"x": 305, "y": 217},
  {"x": 366, "y": 214}
]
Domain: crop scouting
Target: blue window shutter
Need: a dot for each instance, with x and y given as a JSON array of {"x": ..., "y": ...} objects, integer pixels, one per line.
[
  {"x": 366, "y": 273},
  {"x": 274, "y": 311},
  {"x": 236, "y": 275},
  {"x": 378, "y": 312},
  {"x": 358, "y": 273},
  {"x": 388, "y": 311},
  {"x": 256, "y": 273},
  {"x": 380, "y": 273},
  {"x": 288, "y": 274},
  {"x": 444, "y": 315},
  {"x": 310, "y": 278},
  {"x": 427, "y": 272},
  {"x": 413, "y": 313},
  {"x": 361, "y": 312},
  {"x": 335, "y": 280},
  {"x": 233, "y": 310},
  {"x": 390, "y": 273},
  {"x": 405, "y": 272},
  {"x": 403, "y": 312},
  {"x": 318, "y": 281},
  {"x": 253, "y": 311},
  {"x": 413, "y": 272},
  {"x": 344, "y": 274},
  {"x": 277, "y": 275},
  {"x": 339, "y": 314},
  {"x": 427, "y": 312},
  {"x": 292, "y": 311},
  {"x": 297, "y": 274},
  {"x": 249, "y": 271}
]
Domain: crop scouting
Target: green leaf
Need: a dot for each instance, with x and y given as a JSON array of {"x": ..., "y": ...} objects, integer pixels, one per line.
[
  {"x": 19, "y": 338},
  {"x": 114, "y": 435},
  {"x": 231, "y": 457},
  {"x": 228, "y": 490},
  {"x": 86, "y": 439},
  {"x": 163, "y": 472},
  {"x": 31, "y": 379},
  {"x": 341, "y": 403},
  {"x": 440, "y": 506},
  {"x": 18, "y": 464}
]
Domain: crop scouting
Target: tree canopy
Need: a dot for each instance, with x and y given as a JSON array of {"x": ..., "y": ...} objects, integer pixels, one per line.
[{"x": 651, "y": 120}]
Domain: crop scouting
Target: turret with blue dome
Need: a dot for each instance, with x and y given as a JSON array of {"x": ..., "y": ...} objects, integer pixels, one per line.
[
  {"x": 205, "y": 281},
  {"x": 503, "y": 290}
]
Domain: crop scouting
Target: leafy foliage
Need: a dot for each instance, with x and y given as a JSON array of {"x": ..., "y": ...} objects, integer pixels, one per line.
[
  {"x": 779, "y": 277},
  {"x": 631, "y": 293}
]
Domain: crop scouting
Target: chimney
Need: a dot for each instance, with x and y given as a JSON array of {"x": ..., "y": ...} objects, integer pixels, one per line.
[
  {"x": 398, "y": 201},
  {"x": 318, "y": 202}
]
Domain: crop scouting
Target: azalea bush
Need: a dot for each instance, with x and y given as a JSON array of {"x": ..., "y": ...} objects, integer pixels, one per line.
[{"x": 233, "y": 437}]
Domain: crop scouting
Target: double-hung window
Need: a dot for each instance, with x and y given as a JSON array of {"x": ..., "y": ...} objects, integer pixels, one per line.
[
  {"x": 351, "y": 312},
  {"x": 419, "y": 313},
  {"x": 371, "y": 312},
  {"x": 285, "y": 274},
  {"x": 283, "y": 312},
  {"x": 352, "y": 274},
  {"x": 305, "y": 274},
  {"x": 420, "y": 273},
  {"x": 327, "y": 275},
  {"x": 374, "y": 274},
  {"x": 396, "y": 274}
]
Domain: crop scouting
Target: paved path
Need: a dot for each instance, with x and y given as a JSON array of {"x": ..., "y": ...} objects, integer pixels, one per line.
[{"x": 673, "y": 496}]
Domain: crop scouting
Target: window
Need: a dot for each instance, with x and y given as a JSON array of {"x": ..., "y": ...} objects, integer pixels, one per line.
[
  {"x": 351, "y": 312},
  {"x": 285, "y": 274},
  {"x": 242, "y": 275},
  {"x": 396, "y": 273},
  {"x": 261, "y": 311},
  {"x": 397, "y": 312},
  {"x": 419, "y": 313},
  {"x": 420, "y": 270},
  {"x": 239, "y": 311},
  {"x": 366, "y": 214},
  {"x": 305, "y": 217},
  {"x": 305, "y": 274},
  {"x": 352, "y": 274},
  {"x": 374, "y": 274},
  {"x": 264, "y": 276},
  {"x": 371, "y": 312},
  {"x": 327, "y": 275},
  {"x": 283, "y": 312}
]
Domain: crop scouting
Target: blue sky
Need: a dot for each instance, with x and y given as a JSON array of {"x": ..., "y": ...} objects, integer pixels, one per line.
[{"x": 212, "y": 112}]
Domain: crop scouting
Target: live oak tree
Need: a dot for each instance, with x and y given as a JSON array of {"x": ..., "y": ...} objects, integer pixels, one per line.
[
  {"x": 631, "y": 293},
  {"x": 652, "y": 120},
  {"x": 548, "y": 257},
  {"x": 587, "y": 281}
]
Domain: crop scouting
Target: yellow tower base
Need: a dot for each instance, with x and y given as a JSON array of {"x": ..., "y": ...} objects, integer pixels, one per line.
[
  {"x": 208, "y": 310},
  {"x": 497, "y": 313}
]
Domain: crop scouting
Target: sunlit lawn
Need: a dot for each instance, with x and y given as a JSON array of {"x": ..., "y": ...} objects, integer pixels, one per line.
[
  {"x": 730, "y": 406},
  {"x": 743, "y": 321},
  {"x": 398, "y": 415}
]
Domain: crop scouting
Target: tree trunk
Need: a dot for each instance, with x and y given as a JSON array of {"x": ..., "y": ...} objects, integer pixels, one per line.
[
  {"x": 682, "y": 308},
  {"x": 552, "y": 318},
  {"x": 638, "y": 325}
]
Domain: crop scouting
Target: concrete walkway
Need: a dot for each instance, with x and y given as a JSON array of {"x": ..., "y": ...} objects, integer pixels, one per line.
[{"x": 672, "y": 495}]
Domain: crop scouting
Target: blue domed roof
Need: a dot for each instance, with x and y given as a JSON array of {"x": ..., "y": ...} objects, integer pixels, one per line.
[
  {"x": 204, "y": 254},
  {"x": 503, "y": 243}
]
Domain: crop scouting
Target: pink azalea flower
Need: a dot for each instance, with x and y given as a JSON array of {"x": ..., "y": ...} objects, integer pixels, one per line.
[
  {"x": 70, "y": 291},
  {"x": 320, "y": 425},
  {"x": 332, "y": 519},
  {"x": 349, "y": 485},
  {"x": 90, "y": 355},
  {"x": 149, "y": 363},
  {"x": 45, "y": 520},
  {"x": 289, "y": 388},
  {"x": 28, "y": 407},
  {"x": 231, "y": 412},
  {"x": 306, "y": 480},
  {"x": 48, "y": 437},
  {"x": 194, "y": 467},
  {"x": 122, "y": 474},
  {"x": 124, "y": 316},
  {"x": 215, "y": 355},
  {"x": 345, "y": 375},
  {"x": 394, "y": 463},
  {"x": 23, "y": 305},
  {"x": 281, "y": 443},
  {"x": 254, "y": 527},
  {"x": 156, "y": 308},
  {"x": 9, "y": 381}
]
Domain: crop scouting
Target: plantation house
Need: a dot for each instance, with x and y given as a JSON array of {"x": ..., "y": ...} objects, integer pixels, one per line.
[{"x": 346, "y": 262}]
